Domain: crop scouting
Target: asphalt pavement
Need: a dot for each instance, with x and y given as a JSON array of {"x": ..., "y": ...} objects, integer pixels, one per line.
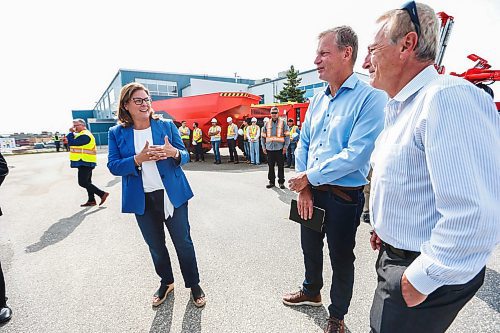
[{"x": 73, "y": 269}]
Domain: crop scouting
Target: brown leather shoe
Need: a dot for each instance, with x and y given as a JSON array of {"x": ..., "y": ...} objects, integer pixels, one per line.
[
  {"x": 104, "y": 197},
  {"x": 89, "y": 204},
  {"x": 335, "y": 326},
  {"x": 299, "y": 298}
]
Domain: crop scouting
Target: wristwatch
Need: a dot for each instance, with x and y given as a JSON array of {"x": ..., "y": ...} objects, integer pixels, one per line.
[{"x": 177, "y": 154}]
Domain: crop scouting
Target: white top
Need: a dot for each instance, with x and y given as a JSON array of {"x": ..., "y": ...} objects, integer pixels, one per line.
[
  {"x": 151, "y": 180},
  {"x": 435, "y": 184}
]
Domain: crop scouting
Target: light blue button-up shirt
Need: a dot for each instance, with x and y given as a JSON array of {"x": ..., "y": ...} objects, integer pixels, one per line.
[
  {"x": 436, "y": 179},
  {"x": 339, "y": 132}
]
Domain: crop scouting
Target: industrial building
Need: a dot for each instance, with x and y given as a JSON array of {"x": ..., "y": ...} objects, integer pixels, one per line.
[{"x": 164, "y": 85}]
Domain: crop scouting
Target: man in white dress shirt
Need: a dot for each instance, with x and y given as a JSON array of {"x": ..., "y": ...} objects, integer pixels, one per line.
[{"x": 436, "y": 184}]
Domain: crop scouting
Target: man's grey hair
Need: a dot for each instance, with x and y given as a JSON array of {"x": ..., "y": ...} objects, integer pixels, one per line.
[
  {"x": 81, "y": 121},
  {"x": 344, "y": 36},
  {"x": 398, "y": 24}
]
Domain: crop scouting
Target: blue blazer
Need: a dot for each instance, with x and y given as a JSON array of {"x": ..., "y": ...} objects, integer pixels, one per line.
[{"x": 121, "y": 153}]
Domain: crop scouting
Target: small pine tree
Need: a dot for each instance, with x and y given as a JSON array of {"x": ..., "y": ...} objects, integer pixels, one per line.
[{"x": 290, "y": 93}]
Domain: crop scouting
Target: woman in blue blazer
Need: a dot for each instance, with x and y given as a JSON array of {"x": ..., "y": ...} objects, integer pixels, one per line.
[{"x": 148, "y": 153}]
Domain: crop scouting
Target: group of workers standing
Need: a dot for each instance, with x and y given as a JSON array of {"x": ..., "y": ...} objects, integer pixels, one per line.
[{"x": 277, "y": 140}]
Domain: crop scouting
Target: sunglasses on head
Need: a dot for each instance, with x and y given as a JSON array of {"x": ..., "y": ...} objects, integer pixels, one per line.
[{"x": 411, "y": 8}]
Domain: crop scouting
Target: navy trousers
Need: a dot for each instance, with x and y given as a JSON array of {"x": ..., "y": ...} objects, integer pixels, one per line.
[
  {"x": 341, "y": 222},
  {"x": 151, "y": 225}
]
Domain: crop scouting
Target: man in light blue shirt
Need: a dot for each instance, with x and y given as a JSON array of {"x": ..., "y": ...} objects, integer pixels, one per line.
[
  {"x": 331, "y": 159},
  {"x": 435, "y": 184}
]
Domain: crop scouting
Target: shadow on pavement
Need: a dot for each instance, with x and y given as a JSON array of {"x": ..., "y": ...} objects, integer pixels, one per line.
[
  {"x": 318, "y": 313},
  {"x": 60, "y": 230},
  {"x": 489, "y": 291},
  {"x": 163, "y": 318},
  {"x": 191, "y": 323},
  {"x": 113, "y": 182},
  {"x": 285, "y": 195}
]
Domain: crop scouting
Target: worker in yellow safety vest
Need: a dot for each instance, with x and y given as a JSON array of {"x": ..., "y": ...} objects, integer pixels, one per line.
[
  {"x": 197, "y": 143},
  {"x": 214, "y": 133},
  {"x": 185, "y": 132},
  {"x": 294, "y": 139},
  {"x": 83, "y": 156},
  {"x": 253, "y": 134},
  {"x": 232, "y": 136},
  {"x": 275, "y": 140}
]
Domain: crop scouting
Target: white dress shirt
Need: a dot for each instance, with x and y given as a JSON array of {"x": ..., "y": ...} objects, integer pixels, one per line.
[{"x": 436, "y": 179}]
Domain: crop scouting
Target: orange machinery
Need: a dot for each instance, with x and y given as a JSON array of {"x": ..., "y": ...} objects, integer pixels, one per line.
[
  {"x": 202, "y": 108},
  {"x": 295, "y": 111}
]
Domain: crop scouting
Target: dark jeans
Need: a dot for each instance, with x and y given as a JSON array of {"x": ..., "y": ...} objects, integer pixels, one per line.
[
  {"x": 389, "y": 310},
  {"x": 151, "y": 225},
  {"x": 290, "y": 154},
  {"x": 233, "y": 155},
  {"x": 341, "y": 222},
  {"x": 187, "y": 144},
  {"x": 276, "y": 157},
  {"x": 2, "y": 288},
  {"x": 58, "y": 145},
  {"x": 85, "y": 181},
  {"x": 198, "y": 152}
]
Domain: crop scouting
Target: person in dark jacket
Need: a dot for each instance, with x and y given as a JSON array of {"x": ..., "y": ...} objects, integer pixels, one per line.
[{"x": 5, "y": 311}]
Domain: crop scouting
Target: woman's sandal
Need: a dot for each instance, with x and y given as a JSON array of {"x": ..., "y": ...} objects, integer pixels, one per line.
[
  {"x": 162, "y": 293},
  {"x": 198, "y": 296}
]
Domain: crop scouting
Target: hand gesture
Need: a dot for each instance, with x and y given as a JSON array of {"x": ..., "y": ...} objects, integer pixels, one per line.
[
  {"x": 144, "y": 155},
  {"x": 168, "y": 149}
]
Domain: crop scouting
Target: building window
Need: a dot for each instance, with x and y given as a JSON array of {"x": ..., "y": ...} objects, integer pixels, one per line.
[{"x": 158, "y": 87}]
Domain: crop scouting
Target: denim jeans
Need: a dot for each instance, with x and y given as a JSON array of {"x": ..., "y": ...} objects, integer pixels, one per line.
[
  {"x": 152, "y": 223},
  {"x": 254, "y": 152},
  {"x": 341, "y": 223},
  {"x": 215, "y": 147},
  {"x": 246, "y": 147},
  {"x": 290, "y": 154}
]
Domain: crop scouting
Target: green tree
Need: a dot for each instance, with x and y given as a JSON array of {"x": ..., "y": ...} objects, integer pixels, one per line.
[{"x": 290, "y": 92}]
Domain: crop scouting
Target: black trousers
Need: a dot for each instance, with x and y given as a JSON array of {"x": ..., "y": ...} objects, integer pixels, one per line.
[
  {"x": 276, "y": 157},
  {"x": 233, "y": 155},
  {"x": 198, "y": 152},
  {"x": 389, "y": 312},
  {"x": 341, "y": 222},
  {"x": 2, "y": 288},
  {"x": 85, "y": 181}
]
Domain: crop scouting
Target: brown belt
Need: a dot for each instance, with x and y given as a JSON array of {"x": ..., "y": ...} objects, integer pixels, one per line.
[{"x": 338, "y": 190}]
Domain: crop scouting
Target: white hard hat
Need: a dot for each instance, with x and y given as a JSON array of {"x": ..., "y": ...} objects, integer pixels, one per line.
[
  {"x": 254, "y": 119},
  {"x": 229, "y": 119},
  {"x": 214, "y": 120},
  {"x": 240, "y": 131},
  {"x": 266, "y": 119}
]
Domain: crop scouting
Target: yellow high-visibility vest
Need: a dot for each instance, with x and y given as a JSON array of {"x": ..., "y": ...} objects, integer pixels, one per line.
[
  {"x": 213, "y": 130},
  {"x": 230, "y": 130},
  {"x": 245, "y": 132},
  {"x": 85, "y": 153},
  {"x": 293, "y": 130},
  {"x": 184, "y": 132},
  {"x": 253, "y": 131},
  {"x": 197, "y": 134}
]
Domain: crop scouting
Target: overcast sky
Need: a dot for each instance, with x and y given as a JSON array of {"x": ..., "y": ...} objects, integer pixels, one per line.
[{"x": 60, "y": 55}]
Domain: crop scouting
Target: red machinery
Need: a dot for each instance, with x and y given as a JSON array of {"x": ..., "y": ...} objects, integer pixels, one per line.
[
  {"x": 202, "y": 108},
  {"x": 480, "y": 75},
  {"x": 295, "y": 111}
]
